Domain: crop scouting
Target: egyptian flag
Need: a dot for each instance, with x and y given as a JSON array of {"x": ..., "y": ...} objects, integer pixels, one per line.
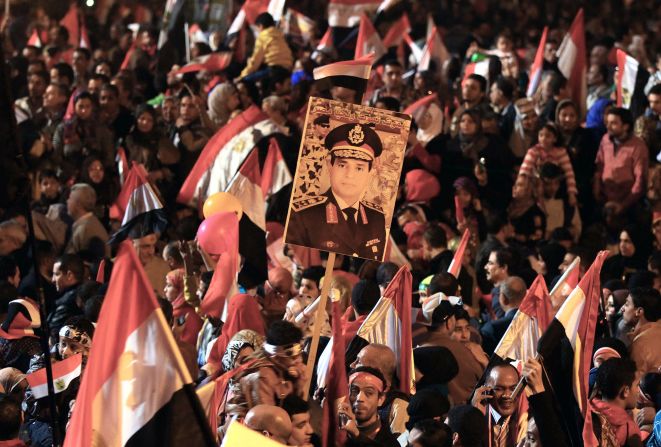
[
  {"x": 567, "y": 282},
  {"x": 566, "y": 350},
  {"x": 533, "y": 317},
  {"x": 208, "y": 62},
  {"x": 368, "y": 40},
  {"x": 71, "y": 22},
  {"x": 352, "y": 74},
  {"x": 537, "y": 65},
  {"x": 630, "y": 82},
  {"x": 347, "y": 13},
  {"x": 337, "y": 386},
  {"x": 253, "y": 186},
  {"x": 434, "y": 50},
  {"x": 455, "y": 266},
  {"x": 572, "y": 61},
  {"x": 479, "y": 65},
  {"x": 389, "y": 323},
  {"x": 170, "y": 15},
  {"x": 133, "y": 390},
  {"x": 34, "y": 39},
  {"x": 397, "y": 30},
  {"x": 298, "y": 25},
  {"x": 63, "y": 373},
  {"x": 22, "y": 320},
  {"x": 223, "y": 154},
  {"x": 138, "y": 206},
  {"x": 416, "y": 51}
]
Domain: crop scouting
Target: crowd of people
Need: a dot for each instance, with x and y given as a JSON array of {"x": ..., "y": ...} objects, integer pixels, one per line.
[{"x": 538, "y": 180}]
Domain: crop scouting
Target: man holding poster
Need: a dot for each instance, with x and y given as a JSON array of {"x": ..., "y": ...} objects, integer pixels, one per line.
[{"x": 343, "y": 218}]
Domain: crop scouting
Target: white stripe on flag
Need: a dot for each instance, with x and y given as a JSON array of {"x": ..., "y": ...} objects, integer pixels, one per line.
[
  {"x": 567, "y": 56},
  {"x": 346, "y": 15},
  {"x": 143, "y": 199},
  {"x": 342, "y": 69},
  {"x": 570, "y": 315},
  {"x": 144, "y": 381}
]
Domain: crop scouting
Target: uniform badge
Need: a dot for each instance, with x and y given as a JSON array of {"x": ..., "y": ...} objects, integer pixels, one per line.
[
  {"x": 363, "y": 215},
  {"x": 372, "y": 242},
  {"x": 374, "y": 249},
  {"x": 331, "y": 214},
  {"x": 356, "y": 135},
  {"x": 330, "y": 244}
]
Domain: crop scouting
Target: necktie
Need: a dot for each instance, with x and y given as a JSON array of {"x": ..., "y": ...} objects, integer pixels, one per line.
[{"x": 351, "y": 215}]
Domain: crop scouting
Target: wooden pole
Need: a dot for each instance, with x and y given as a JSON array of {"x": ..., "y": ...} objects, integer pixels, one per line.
[{"x": 318, "y": 322}]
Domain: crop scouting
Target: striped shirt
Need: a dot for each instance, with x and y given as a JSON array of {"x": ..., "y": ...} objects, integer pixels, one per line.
[{"x": 536, "y": 156}]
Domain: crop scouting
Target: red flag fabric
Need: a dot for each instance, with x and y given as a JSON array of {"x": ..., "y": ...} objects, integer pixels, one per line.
[
  {"x": 237, "y": 132},
  {"x": 420, "y": 105},
  {"x": 434, "y": 50},
  {"x": 72, "y": 23},
  {"x": 346, "y": 13},
  {"x": 84, "y": 37},
  {"x": 458, "y": 210},
  {"x": 224, "y": 275},
  {"x": 63, "y": 373},
  {"x": 101, "y": 272},
  {"x": 209, "y": 62},
  {"x": 337, "y": 387},
  {"x": 537, "y": 303},
  {"x": 128, "y": 56},
  {"x": 572, "y": 61},
  {"x": 368, "y": 40},
  {"x": 34, "y": 39},
  {"x": 326, "y": 41},
  {"x": 137, "y": 176},
  {"x": 134, "y": 381},
  {"x": 455, "y": 266},
  {"x": 537, "y": 65},
  {"x": 395, "y": 34}
]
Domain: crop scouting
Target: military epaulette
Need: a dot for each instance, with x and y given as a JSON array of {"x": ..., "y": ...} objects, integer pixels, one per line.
[
  {"x": 371, "y": 205},
  {"x": 302, "y": 204}
]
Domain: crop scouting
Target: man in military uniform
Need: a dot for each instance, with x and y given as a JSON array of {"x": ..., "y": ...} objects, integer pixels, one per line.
[{"x": 338, "y": 220}]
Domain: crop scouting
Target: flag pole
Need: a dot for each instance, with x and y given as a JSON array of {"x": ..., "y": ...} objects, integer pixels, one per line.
[
  {"x": 43, "y": 338},
  {"x": 317, "y": 323}
]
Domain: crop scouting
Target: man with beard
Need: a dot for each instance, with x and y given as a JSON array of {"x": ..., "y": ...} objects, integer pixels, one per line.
[
  {"x": 360, "y": 417},
  {"x": 494, "y": 399}
]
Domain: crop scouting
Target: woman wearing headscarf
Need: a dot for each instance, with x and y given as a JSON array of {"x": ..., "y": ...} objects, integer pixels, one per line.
[
  {"x": 105, "y": 185},
  {"x": 147, "y": 144},
  {"x": 527, "y": 218},
  {"x": 479, "y": 157},
  {"x": 425, "y": 143},
  {"x": 243, "y": 312},
  {"x": 186, "y": 321},
  {"x": 633, "y": 251},
  {"x": 224, "y": 103}
]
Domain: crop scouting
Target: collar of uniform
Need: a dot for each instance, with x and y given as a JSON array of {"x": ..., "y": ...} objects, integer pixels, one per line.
[{"x": 342, "y": 204}]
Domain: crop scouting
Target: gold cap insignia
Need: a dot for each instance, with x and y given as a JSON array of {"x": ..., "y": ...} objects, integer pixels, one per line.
[{"x": 356, "y": 135}]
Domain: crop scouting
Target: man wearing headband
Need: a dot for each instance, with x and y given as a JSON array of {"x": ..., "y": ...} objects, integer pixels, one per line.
[
  {"x": 360, "y": 417},
  {"x": 278, "y": 371},
  {"x": 339, "y": 220}
]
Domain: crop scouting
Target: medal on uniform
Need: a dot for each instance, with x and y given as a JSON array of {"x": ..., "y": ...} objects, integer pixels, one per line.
[{"x": 331, "y": 214}]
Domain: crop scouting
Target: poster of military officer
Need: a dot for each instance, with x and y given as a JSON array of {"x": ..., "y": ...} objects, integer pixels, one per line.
[{"x": 346, "y": 178}]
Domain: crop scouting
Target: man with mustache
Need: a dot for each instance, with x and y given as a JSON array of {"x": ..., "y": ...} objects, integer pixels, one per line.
[
  {"x": 494, "y": 399},
  {"x": 359, "y": 417},
  {"x": 339, "y": 220}
]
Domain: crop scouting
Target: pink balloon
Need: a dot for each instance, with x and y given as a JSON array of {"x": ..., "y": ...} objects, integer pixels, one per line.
[{"x": 219, "y": 233}]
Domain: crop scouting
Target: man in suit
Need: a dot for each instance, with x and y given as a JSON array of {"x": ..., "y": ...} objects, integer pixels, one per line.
[
  {"x": 512, "y": 292},
  {"x": 339, "y": 220}
]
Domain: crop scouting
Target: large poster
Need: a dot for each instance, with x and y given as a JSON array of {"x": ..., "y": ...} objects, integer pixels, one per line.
[{"x": 346, "y": 178}]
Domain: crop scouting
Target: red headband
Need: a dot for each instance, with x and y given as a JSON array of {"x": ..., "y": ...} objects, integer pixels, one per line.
[{"x": 367, "y": 377}]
